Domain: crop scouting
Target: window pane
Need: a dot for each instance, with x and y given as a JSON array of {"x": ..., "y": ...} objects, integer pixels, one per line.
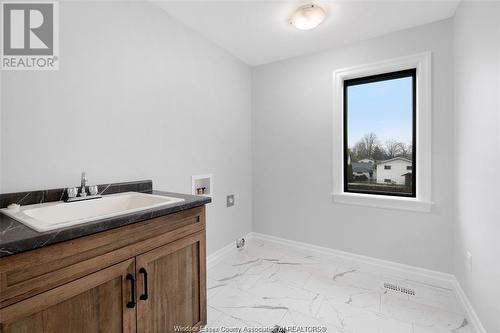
[{"x": 379, "y": 150}]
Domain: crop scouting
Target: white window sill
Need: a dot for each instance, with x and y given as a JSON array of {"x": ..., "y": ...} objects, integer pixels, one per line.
[{"x": 383, "y": 201}]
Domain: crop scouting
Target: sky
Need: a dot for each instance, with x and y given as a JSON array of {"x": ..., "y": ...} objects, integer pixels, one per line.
[{"x": 384, "y": 108}]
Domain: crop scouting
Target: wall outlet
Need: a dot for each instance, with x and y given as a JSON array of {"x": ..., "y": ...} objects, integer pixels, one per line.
[
  {"x": 230, "y": 200},
  {"x": 469, "y": 260}
]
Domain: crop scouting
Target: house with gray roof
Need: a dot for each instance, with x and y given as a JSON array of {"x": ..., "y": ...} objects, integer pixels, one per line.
[{"x": 361, "y": 170}]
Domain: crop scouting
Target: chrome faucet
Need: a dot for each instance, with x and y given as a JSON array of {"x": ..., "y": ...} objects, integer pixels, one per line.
[
  {"x": 73, "y": 194},
  {"x": 83, "y": 191}
]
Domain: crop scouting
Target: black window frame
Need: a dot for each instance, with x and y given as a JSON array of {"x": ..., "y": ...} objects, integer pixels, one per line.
[
  {"x": 377, "y": 78},
  {"x": 387, "y": 167}
]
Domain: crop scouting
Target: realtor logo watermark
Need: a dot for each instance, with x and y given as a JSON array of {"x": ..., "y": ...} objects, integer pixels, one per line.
[{"x": 30, "y": 35}]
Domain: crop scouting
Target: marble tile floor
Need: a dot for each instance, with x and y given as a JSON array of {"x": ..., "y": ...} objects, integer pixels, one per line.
[{"x": 268, "y": 284}]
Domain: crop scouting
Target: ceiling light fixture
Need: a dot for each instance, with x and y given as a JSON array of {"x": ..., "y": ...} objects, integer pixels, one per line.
[{"x": 307, "y": 17}]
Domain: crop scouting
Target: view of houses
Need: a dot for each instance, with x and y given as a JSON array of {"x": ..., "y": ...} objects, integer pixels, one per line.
[
  {"x": 373, "y": 167},
  {"x": 392, "y": 171}
]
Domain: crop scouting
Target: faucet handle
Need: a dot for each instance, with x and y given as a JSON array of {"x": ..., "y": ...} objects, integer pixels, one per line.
[
  {"x": 72, "y": 192},
  {"x": 93, "y": 190}
]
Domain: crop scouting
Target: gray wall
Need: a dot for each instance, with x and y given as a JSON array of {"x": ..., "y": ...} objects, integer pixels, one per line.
[
  {"x": 292, "y": 149},
  {"x": 138, "y": 96},
  {"x": 477, "y": 128}
]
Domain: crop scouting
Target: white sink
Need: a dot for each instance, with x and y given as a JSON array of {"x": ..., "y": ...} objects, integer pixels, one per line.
[{"x": 54, "y": 215}]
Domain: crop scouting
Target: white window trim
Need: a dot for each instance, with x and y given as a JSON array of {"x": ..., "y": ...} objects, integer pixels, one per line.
[{"x": 422, "y": 202}]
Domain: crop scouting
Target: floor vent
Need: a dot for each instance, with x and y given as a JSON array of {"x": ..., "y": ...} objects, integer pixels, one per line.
[{"x": 397, "y": 288}]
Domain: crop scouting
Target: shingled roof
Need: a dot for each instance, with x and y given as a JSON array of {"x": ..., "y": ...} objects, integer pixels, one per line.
[{"x": 362, "y": 167}]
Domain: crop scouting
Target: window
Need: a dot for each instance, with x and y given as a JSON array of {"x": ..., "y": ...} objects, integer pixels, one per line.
[
  {"x": 379, "y": 124},
  {"x": 403, "y": 84}
]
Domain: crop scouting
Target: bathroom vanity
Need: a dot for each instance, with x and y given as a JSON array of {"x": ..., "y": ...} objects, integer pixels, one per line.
[{"x": 140, "y": 272}]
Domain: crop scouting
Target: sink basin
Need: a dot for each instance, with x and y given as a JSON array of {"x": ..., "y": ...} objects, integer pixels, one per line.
[{"x": 54, "y": 215}]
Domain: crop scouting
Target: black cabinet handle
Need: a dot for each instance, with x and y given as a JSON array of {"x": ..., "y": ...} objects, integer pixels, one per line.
[
  {"x": 131, "y": 303},
  {"x": 144, "y": 296}
]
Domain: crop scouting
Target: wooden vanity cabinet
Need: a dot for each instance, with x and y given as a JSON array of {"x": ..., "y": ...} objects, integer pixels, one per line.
[
  {"x": 160, "y": 284},
  {"x": 176, "y": 286}
]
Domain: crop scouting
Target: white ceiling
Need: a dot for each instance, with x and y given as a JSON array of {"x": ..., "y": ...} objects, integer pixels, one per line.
[{"x": 258, "y": 31}]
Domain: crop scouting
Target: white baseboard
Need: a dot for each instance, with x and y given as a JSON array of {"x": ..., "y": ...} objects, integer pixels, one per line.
[
  {"x": 469, "y": 310},
  {"x": 421, "y": 274},
  {"x": 444, "y": 280}
]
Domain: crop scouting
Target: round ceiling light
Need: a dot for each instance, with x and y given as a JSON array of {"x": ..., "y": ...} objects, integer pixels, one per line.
[{"x": 307, "y": 17}]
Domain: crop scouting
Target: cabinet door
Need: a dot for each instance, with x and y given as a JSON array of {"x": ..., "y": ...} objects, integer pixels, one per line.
[
  {"x": 94, "y": 303},
  {"x": 171, "y": 283}
]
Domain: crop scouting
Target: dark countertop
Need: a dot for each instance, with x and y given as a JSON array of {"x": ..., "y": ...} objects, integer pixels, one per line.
[{"x": 15, "y": 237}]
